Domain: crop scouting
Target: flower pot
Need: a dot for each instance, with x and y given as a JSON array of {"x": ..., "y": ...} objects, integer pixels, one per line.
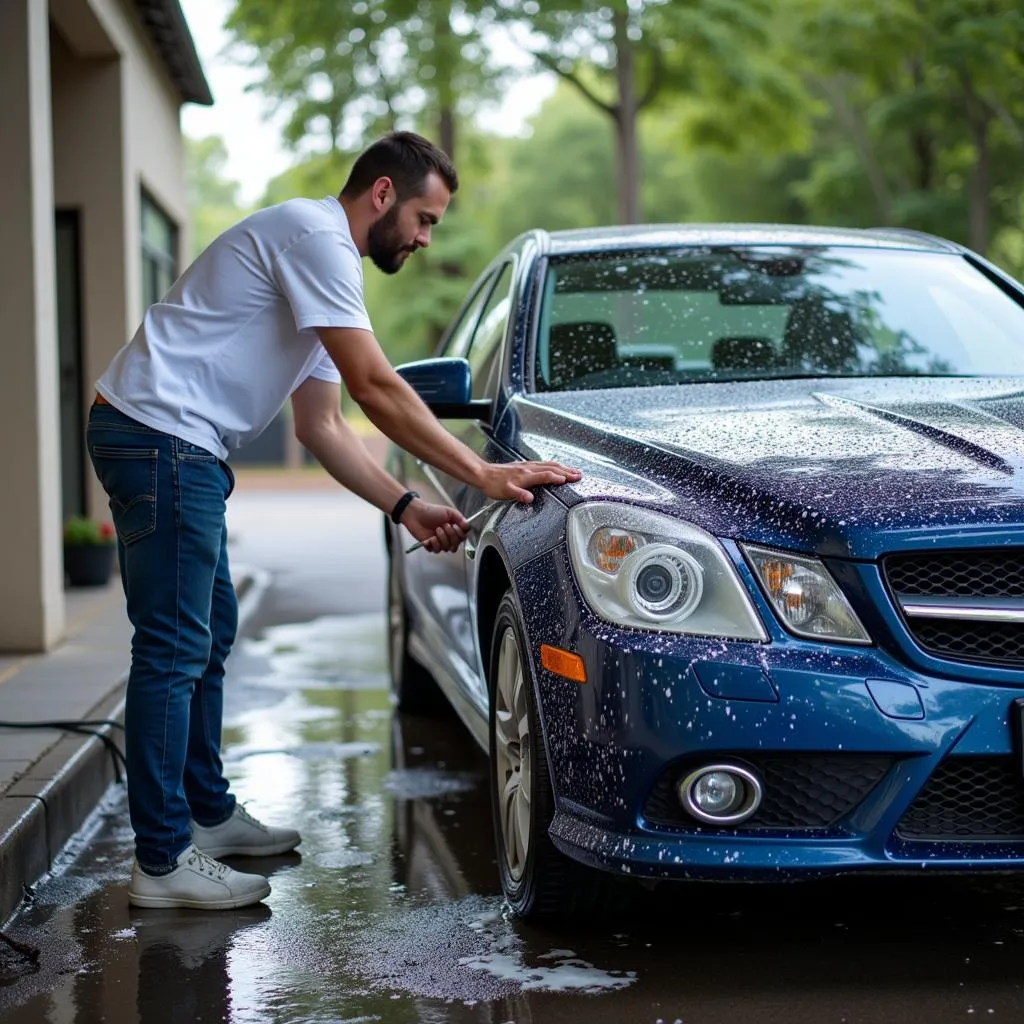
[{"x": 88, "y": 565}]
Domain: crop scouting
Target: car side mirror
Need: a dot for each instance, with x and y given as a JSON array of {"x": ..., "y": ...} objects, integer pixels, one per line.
[{"x": 446, "y": 386}]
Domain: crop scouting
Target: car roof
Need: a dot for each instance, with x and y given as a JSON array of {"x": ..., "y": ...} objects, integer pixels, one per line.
[{"x": 558, "y": 243}]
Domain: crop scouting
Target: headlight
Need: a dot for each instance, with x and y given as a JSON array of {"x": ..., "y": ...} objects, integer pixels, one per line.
[
  {"x": 805, "y": 596},
  {"x": 641, "y": 569}
]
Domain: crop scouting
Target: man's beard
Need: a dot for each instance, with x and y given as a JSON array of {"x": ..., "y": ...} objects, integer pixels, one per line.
[{"x": 385, "y": 244}]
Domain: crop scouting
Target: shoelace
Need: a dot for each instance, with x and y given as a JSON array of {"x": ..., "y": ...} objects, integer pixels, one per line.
[
  {"x": 206, "y": 865},
  {"x": 249, "y": 819}
]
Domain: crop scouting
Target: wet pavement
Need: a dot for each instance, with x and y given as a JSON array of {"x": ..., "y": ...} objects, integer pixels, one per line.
[{"x": 390, "y": 912}]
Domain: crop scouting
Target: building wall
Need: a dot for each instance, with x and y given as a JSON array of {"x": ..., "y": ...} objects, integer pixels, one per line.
[
  {"x": 90, "y": 176},
  {"x": 89, "y": 118},
  {"x": 31, "y": 598},
  {"x": 116, "y": 130}
]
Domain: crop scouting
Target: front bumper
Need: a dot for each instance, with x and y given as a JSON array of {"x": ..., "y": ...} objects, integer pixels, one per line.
[{"x": 944, "y": 790}]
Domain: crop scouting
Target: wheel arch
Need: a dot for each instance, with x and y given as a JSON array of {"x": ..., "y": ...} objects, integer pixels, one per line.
[{"x": 493, "y": 580}]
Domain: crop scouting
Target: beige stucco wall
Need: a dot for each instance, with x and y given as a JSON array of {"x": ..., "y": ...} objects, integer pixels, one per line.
[
  {"x": 31, "y": 584},
  {"x": 90, "y": 175},
  {"x": 117, "y": 130},
  {"x": 89, "y": 118}
]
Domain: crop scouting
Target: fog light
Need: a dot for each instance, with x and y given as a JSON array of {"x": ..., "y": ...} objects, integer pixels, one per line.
[
  {"x": 717, "y": 793},
  {"x": 720, "y": 794}
]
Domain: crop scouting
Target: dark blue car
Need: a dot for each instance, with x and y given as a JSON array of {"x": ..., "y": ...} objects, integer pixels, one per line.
[{"x": 777, "y": 629}]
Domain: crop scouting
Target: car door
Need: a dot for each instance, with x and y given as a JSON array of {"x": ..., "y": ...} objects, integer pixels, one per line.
[
  {"x": 435, "y": 583},
  {"x": 444, "y": 576}
]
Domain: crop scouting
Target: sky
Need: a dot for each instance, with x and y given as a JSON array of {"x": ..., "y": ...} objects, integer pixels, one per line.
[{"x": 252, "y": 136}]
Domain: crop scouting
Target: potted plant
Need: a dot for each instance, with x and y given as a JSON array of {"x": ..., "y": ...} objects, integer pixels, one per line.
[{"x": 89, "y": 548}]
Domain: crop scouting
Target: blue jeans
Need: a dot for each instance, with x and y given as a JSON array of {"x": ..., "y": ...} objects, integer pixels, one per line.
[{"x": 167, "y": 499}]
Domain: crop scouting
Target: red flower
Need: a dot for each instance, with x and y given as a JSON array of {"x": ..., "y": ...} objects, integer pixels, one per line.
[{"x": 107, "y": 531}]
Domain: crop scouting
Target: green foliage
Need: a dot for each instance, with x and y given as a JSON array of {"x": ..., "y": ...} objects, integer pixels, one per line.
[
  {"x": 348, "y": 71},
  {"x": 81, "y": 531},
  {"x": 213, "y": 200},
  {"x": 925, "y": 122},
  {"x": 319, "y": 175},
  {"x": 719, "y": 57}
]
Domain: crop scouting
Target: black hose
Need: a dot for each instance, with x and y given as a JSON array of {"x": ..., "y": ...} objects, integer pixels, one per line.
[{"x": 84, "y": 727}]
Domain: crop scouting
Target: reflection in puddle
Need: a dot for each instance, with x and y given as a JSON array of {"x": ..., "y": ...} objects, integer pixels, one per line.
[
  {"x": 310, "y": 752},
  {"x": 335, "y": 650},
  {"x": 427, "y": 783}
]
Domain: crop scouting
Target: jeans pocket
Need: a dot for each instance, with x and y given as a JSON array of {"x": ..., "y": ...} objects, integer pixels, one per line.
[
  {"x": 189, "y": 452},
  {"x": 128, "y": 475}
]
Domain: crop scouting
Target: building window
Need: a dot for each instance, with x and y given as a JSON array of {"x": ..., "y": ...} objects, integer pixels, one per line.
[{"x": 159, "y": 252}]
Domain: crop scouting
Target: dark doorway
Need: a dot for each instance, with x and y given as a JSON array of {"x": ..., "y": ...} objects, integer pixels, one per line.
[{"x": 69, "y": 345}]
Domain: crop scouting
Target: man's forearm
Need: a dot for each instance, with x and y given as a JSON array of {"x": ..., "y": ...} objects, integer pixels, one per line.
[
  {"x": 342, "y": 453},
  {"x": 396, "y": 409}
]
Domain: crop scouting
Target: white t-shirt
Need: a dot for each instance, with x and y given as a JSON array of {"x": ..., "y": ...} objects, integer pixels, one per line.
[{"x": 215, "y": 361}]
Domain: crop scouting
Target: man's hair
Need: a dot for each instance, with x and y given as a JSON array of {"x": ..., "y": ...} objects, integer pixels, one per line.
[{"x": 407, "y": 159}]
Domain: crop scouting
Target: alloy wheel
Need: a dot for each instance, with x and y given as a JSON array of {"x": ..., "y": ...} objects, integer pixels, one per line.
[{"x": 513, "y": 755}]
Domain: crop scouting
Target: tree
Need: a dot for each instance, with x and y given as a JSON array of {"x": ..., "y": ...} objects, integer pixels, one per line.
[
  {"x": 624, "y": 55},
  {"x": 347, "y": 71},
  {"x": 925, "y": 97}
]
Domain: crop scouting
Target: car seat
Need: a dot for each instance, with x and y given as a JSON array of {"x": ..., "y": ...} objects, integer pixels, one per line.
[
  {"x": 819, "y": 337},
  {"x": 743, "y": 353},
  {"x": 577, "y": 349}
]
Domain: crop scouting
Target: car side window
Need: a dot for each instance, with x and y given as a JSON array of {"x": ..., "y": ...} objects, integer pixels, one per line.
[
  {"x": 462, "y": 332},
  {"x": 485, "y": 349}
]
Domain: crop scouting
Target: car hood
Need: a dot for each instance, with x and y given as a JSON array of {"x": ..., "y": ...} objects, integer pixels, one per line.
[{"x": 850, "y": 467}]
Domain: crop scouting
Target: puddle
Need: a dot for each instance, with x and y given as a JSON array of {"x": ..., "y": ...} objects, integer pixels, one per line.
[
  {"x": 310, "y": 751},
  {"x": 390, "y": 911},
  {"x": 332, "y": 651},
  {"x": 429, "y": 783}
]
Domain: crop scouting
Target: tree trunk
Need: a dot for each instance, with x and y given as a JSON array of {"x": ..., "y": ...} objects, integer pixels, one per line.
[
  {"x": 446, "y": 53},
  {"x": 981, "y": 183},
  {"x": 921, "y": 142},
  {"x": 626, "y": 124},
  {"x": 852, "y": 119},
  {"x": 446, "y": 131},
  {"x": 978, "y": 120}
]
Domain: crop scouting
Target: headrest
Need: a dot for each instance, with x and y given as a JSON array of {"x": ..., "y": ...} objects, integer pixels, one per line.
[
  {"x": 578, "y": 348},
  {"x": 743, "y": 353},
  {"x": 820, "y": 337}
]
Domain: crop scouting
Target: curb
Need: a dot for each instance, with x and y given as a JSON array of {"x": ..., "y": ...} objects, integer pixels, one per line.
[{"x": 55, "y": 796}]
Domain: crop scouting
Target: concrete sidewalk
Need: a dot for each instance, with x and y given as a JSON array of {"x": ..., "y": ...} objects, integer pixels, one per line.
[{"x": 51, "y": 779}]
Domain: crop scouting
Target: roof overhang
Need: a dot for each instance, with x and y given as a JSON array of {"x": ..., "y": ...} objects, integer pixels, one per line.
[{"x": 165, "y": 23}]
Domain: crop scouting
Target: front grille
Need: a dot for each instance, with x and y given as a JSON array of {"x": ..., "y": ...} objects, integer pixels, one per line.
[
  {"x": 968, "y": 798},
  {"x": 1001, "y": 642},
  {"x": 993, "y": 574},
  {"x": 800, "y": 790},
  {"x": 957, "y": 574}
]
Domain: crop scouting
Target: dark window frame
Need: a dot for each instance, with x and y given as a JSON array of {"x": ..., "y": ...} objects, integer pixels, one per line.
[
  {"x": 155, "y": 259},
  {"x": 485, "y": 382}
]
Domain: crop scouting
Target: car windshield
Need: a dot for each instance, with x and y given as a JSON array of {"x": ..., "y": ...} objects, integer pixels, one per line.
[{"x": 765, "y": 312}]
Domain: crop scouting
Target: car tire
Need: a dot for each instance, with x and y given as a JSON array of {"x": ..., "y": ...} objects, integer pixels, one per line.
[
  {"x": 539, "y": 882},
  {"x": 415, "y": 690}
]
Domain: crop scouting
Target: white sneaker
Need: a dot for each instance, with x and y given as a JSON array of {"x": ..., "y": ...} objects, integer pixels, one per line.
[
  {"x": 243, "y": 836},
  {"x": 199, "y": 882}
]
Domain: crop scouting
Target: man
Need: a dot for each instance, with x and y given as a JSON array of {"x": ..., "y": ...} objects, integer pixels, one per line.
[{"x": 272, "y": 309}]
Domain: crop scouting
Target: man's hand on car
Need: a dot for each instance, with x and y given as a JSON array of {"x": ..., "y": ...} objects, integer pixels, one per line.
[{"x": 510, "y": 481}]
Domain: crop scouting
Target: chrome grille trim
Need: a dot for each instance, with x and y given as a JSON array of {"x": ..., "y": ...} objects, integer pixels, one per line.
[{"x": 977, "y": 610}]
